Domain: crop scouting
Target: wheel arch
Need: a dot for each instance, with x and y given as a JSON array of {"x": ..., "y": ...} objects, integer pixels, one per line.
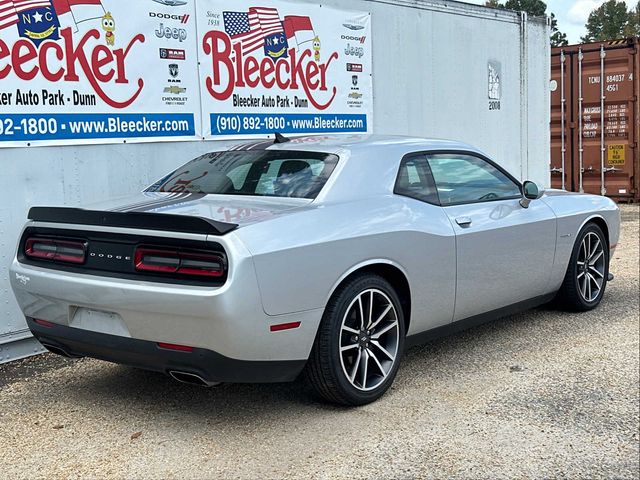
[
  {"x": 391, "y": 272},
  {"x": 600, "y": 222}
]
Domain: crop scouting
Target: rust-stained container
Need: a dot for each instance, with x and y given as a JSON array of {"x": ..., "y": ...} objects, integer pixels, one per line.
[{"x": 586, "y": 80}]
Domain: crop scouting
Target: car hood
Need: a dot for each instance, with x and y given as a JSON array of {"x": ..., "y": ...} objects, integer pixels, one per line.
[
  {"x": 555, "y": 192},
  {"x": 238, "y": 209}
]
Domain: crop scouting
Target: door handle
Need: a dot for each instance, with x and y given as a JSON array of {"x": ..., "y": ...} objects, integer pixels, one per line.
[{"x": 463, "y": 221}]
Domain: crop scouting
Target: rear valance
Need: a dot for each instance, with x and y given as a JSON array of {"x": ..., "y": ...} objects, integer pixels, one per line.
[{"x": 141, "y": 220}]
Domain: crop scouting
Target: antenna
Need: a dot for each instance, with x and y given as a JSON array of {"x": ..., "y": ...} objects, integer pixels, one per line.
[{"x": 281, "y": 138}]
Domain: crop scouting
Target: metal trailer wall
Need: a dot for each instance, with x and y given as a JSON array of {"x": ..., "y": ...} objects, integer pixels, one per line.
[
  {"x": 430, "y": 77},
  {"x": 595, "y": 119}
]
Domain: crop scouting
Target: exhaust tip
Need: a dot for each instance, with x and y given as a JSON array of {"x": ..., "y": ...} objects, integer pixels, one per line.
[
  {"x": 191, "y": 378},
  {"x": 58, "y": 350}
]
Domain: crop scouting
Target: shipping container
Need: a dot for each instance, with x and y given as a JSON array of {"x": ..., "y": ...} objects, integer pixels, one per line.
[
  {"x": 589, "y": 83},
  {"x": 440, "y": 69}
]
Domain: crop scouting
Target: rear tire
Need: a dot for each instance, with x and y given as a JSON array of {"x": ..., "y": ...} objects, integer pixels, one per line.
[
  {"x": 586, "y": 278},
  {"x": 359, "y": 344}
]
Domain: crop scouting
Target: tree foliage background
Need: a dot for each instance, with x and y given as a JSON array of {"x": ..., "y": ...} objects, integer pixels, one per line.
[
  {"x": 535, "y": 8},
  {"x": 612, "y": 20}
]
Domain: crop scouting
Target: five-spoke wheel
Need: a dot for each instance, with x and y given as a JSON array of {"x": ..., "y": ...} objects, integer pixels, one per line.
[
  {"x": 591, "y": 267},
  {"x": 369, "y": 339},
  {"x": 586, "y": 277},
  {"x": 360, "y": 342}
]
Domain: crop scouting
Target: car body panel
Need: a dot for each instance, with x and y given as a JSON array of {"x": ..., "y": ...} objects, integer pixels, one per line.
[
  {"x": 573, "y": 211},
  {"x": 504, "y": 256},
  {"x": 188, "y": 315},
  {"x": 414, "y": 235},
  {"x": 288, "y": 256},
  {"x": 241, "y": 210}
]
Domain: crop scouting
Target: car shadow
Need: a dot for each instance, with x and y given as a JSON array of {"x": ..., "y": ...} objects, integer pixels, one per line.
[{"x": 122, "y": 388}]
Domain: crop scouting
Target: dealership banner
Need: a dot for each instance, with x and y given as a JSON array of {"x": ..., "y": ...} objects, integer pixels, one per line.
[
  {"x": 87, "y": 71},
  {"x": 283, "y": 67}
]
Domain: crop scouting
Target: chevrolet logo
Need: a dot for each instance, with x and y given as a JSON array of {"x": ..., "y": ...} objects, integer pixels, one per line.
[{"x": 174, "y": 89}]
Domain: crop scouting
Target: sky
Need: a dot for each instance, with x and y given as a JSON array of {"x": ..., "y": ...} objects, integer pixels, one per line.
[{"x": 571, "y": 14}]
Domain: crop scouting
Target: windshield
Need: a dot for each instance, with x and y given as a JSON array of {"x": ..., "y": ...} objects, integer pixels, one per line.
[{"x": 261, "y": 172}]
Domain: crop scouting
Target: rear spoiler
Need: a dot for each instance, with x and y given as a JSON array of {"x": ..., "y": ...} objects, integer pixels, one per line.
[{"x": 141, "y": 220}]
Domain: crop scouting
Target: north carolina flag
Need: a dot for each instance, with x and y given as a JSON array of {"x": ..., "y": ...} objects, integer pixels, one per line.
[
  {"x": 80, "y": 10},
  {"x": 298, "y": 29},
  {"x": 253, "y": 27},
  {"x": 9, "y": 10}
]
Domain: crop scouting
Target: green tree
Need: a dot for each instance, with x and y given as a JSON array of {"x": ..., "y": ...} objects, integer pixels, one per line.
[
  {"x": 633, "y": 27},
  {"x": 535, "y": 8},
  {"x": 558, "y": 38},
  {"x": 607, "y": 22}
]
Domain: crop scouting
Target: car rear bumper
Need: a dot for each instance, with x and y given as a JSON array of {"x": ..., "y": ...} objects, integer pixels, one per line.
[
  {"x": 228, "y": 320},
  {"x": 206, "y": 364}
]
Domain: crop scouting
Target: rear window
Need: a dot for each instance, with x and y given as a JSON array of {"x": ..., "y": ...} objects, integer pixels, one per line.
[{"x": 261, "y": 172}]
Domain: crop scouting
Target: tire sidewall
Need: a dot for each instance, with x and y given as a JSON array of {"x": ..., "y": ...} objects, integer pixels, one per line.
[
  {"x": 334, "y": 323},
  {"x": 573, "y": 266}
]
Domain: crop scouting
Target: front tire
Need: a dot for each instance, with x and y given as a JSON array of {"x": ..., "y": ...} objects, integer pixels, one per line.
[
  {"x": 586, "y": 278},
  {"x": 358, "y": 347}
]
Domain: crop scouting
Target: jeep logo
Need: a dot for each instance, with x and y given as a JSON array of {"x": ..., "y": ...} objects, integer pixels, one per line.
[{"x": 168, "y": 32}]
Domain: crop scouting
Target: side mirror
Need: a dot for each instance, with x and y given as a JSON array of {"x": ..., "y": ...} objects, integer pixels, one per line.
[{"x": 530, "y": 192}]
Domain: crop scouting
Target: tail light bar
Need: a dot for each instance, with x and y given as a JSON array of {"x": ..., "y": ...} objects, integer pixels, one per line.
[
  {"x": 201, "y": 264},
  {"x": 55, "y": 249}
]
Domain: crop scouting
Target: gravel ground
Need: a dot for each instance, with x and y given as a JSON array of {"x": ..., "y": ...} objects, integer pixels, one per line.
[{"x": 542, "y": 394}]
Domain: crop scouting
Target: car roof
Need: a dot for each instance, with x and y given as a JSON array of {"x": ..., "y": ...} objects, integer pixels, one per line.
[{"x": 360, "y": 143}]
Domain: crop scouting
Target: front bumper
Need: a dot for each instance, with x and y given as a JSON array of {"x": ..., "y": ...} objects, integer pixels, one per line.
[{"x": 211, "y": 366}]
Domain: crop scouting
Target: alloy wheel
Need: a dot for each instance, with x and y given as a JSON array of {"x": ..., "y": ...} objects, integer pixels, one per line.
[
  {"x": 369, "y": 339},
  {"x": 591, "y": 267}
]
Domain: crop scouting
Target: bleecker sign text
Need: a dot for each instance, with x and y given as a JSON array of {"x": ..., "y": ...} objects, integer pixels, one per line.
[
  {"x": 231, "y": 69},
  {"x": 55, "y": 62}
]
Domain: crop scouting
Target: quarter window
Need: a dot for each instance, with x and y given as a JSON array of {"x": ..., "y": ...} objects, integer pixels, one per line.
[
  {"x": 463, "y": 178},
  {"x": 415, "y": 180}
]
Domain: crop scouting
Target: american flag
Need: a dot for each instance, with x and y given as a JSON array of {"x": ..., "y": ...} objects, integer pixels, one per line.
[
  {"x": 22, "y": 5},
  {"x": 251, "y": 28},
  {"x": 8, "y": 15},
  {"x": 9, "y": 10}
]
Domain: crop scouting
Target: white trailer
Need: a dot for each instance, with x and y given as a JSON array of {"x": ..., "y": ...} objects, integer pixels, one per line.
[{"x": 440, "y": 69}]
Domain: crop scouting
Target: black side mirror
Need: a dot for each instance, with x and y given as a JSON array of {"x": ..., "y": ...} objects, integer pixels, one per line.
[{"x": 530, "y": 192}]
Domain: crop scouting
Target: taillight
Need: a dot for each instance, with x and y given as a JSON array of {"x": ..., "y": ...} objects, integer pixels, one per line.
[
  {"x": 202, "y": 264},
  {"x": 60, "y": 250}
]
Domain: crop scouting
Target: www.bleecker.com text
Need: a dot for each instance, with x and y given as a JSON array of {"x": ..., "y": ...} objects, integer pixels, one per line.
[{"x": 46, "y": 97}]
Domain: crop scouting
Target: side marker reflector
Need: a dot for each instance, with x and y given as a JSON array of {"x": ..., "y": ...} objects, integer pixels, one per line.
[
  {"x": 172, "y": 346},
  {"x": 284, "y": 326},
  {"x": 44, "y": 323}
]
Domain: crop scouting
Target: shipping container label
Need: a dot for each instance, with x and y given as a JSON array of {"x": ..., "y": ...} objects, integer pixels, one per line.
[
  {"x": 615, "y": 155},
  {"x": 288, "y": 68},
  {"x": 100, "y": 71}
]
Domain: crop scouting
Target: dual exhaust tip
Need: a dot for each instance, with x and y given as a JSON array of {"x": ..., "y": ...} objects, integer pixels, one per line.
[
  {"x": 181, "y": 376},
  {"x": 191, "y": 378}
]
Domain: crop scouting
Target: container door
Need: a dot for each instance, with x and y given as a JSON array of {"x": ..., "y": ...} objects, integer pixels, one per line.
[
  {"x": 560, "y": 87},
  {"x": 606, "y": 87}
]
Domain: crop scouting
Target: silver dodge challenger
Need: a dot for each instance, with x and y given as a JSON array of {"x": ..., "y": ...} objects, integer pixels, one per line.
[{"x": 321, "y": 256}]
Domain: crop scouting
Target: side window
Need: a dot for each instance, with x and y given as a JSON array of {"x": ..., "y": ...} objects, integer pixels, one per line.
[
  {"x": 415, "y": 180},
  {"x": 463, "y": 178}
]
